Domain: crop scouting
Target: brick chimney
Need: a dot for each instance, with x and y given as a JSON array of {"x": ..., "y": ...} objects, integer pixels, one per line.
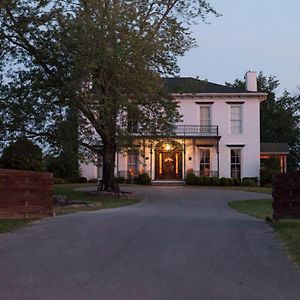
[{"x": 251, "y": 81}]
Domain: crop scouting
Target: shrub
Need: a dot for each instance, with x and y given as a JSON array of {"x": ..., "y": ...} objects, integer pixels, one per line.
[
  {"x": 135, "y": 179},
  {"x": 248, "y": 182},
  {"x": 144, "y": 179},
  {"x": 206, "y": 180},
  {"x": 255, "y": 179},
  {"x": 269, "y": 167},
  {"x": 121, "y": 179},
  {"x": 236, "y": 181},
  {"x": 57, "y": 180},
  {"x": 93, "y": 180},
  {"x": 190, "y": 179},
  {"x": 215, "y": 181},
  {"x": 198, "y": 180},
  {"x": 82, "y": 180},
  {"x": 202, "y": 180},
  {"x": 223, "y": 181},
  {"x": 230, "y": 181}
]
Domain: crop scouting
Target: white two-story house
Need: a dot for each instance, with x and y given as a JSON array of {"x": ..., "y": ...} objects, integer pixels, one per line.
[{"x": 219, "y": 135}]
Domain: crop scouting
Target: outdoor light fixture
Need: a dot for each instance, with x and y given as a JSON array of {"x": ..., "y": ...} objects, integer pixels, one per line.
[{"x": 168, "y": 147}]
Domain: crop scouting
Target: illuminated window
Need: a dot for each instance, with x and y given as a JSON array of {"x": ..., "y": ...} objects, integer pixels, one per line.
[
  {"x": 133, "y": 162},
  {"x": 204, "y": 162}
]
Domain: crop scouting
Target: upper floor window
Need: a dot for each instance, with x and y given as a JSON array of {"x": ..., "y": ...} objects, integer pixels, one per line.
[
  {"x": 205, "y": 115},
  {"x": 236, "y": 118}
]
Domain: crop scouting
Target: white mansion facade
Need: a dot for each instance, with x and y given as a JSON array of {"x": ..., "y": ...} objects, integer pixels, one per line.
[{"x": 219, "y": 135}]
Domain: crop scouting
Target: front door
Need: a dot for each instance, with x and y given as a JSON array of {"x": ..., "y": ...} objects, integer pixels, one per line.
[{"x": 168, "y": 165}]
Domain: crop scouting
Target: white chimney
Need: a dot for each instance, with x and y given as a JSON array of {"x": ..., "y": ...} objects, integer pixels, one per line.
[{"x": 251, "y": 81}]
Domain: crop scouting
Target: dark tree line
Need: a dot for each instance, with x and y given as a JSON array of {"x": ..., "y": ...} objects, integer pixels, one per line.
[{"x": 280, "y": 117}]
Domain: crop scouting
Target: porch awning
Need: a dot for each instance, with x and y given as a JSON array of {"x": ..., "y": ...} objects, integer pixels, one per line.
[{"x": 274, "y": 149}]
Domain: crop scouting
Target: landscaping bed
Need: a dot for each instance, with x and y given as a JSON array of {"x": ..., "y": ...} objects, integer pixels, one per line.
[
  {"x": 287, "y": 230},
  {"x": 88, "y": 201}
]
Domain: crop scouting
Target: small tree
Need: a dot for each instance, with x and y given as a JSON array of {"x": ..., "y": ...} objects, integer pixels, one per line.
[{"x": 22, "y": 155}]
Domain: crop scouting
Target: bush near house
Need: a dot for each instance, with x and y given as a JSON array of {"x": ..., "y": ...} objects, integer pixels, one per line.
[
  {"x": 144, "y": 179},
  {"x": 269, "y": 167},
  {"x": 192, "y": 179}
]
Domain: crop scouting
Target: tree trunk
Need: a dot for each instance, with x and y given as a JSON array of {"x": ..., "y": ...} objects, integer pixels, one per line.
[{"x": 109, "y": 155}]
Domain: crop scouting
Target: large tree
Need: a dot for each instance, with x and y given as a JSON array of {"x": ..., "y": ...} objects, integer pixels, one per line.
[
  {"x": 103, "y": 58},
  {"x": 280, "y": 116}
]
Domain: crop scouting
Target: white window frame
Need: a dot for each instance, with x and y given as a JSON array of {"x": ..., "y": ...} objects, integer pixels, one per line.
[
  {"x": 209, "y": 106},
  {"x": 205, "y": 163},
  {"x": 241, "y": 161},
  {"x": 240, "y": 120},
  {"x": 133, "y": 162}
]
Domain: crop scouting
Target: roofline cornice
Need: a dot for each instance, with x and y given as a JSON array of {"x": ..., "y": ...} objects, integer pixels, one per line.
[{"x": 260, "y": 96}]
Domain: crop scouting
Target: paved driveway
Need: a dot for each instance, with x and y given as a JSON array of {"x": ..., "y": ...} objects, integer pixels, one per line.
[{"x": 181, "y": 243}]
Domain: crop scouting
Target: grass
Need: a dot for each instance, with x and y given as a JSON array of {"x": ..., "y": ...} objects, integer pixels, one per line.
[
  {"x": 98, "y": 201},
  {"x": 7, "y": 225},
  {"x": 255, "y": 208},
  {"x": 287, "y": 230},
  {"x": 253, "y": 189}
]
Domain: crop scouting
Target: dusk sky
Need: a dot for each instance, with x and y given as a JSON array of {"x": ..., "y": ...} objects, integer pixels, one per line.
[{"x": 256, "y": 35}]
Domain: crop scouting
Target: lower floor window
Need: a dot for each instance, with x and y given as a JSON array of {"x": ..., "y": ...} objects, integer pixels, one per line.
[
  {"x": 235, "y": 163},
  {"x": 204, "y": 162},
  {"x": 133, "y": 162}
]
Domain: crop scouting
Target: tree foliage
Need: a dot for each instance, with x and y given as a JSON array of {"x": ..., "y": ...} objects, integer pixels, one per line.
[
  {"x": 104, "y": 58},
  {"x": 22, "y": 155},
  {"x": 280, "y": 116}
]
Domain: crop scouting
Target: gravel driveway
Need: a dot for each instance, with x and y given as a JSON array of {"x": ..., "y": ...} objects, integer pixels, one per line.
[{"x": 179, "y": 243}]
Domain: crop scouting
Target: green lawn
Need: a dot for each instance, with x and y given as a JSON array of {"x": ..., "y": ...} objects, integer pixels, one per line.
[
  {"x": 253, "y": 189},
  {"x": 100, "y": 202},
  {"x": 10, "y": 225},
  {"x": 287, "y": 230}
]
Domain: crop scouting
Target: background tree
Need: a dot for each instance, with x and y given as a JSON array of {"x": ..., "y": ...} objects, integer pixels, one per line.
[
  {"x": 22, "y": 155},
  {"x": 279, "y": 119},
  {"x": 105, "y": 58}
]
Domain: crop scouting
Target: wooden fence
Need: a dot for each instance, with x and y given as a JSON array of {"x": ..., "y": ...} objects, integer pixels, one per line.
[
  {"x": 25, "y": 194},
  {"x": 286, "y": 196}
]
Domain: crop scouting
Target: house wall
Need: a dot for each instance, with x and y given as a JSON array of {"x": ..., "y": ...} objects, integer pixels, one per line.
[{"x": 220, "y": 115}]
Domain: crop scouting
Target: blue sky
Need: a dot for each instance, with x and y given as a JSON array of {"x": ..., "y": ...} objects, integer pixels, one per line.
[{"x": 256, "y": 35}]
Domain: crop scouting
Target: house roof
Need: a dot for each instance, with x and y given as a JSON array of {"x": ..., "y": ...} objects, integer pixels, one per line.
[
  {"x": 270, "y": 148},
  {"x": 189, "y": 85}
]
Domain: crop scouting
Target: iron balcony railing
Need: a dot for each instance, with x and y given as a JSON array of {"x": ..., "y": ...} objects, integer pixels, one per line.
[
  {"x": 186, "y": 131},
  {"x": 196, "y": 130}
]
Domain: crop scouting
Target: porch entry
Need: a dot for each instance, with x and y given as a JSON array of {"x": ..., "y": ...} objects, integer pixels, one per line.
[{"x": 168, "y": 161}]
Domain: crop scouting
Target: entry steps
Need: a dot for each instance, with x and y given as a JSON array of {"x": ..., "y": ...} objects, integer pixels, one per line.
[{"x": 168, "y": 182}]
